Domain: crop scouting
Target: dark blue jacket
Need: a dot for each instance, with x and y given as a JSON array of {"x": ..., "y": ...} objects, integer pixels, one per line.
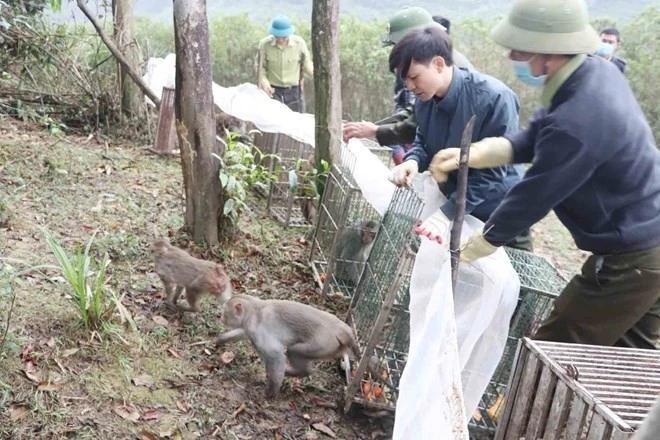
[
  {"x": 440, "y": 124},
  {"x": 594, "y": 161}
]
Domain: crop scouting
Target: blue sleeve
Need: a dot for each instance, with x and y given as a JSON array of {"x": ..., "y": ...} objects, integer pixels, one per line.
[
  {"x": 560, "y": 165},
  {"x": 418, "y": 152},
  {"x": 500, "y": 120}
]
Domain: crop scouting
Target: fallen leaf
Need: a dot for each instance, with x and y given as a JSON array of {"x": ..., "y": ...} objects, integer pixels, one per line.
[
  {"x": 51, "y": 342},
  {"x": 183, "y": 406},
  {"x": 17, "y": 412},
  {"x": 128, "y": 412},
  {"x": 150, "y": 414},
  {"x": 70, "y": 352},
  {"x": 49, "y": 387},
  {"x": 324, "y": 429},
  {"x": 227, "y": 357},
  {"x": 31, "y": 372},
  {"x": 148, "y": 435},
  {"x": 143, "y": 380},
  {"x": 160, "y": 320},
  {"x": 174, "y": 353},
  {"x": 306, "y": 417}
]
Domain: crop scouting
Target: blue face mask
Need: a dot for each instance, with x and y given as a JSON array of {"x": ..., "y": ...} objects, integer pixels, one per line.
[
  {"x": 523, "y": 72},
  {"x": 605, "y": 50}
]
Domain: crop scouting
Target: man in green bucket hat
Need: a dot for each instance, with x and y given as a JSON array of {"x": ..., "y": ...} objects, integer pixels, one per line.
[
  {"x": 283, "y": 59},
  {"x": 594, "y": 162}
]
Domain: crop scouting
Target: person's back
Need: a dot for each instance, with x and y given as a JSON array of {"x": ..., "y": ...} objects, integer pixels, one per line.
[{"x": 622, "y": 163}]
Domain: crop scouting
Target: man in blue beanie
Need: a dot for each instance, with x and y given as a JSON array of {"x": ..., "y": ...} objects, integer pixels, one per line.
[{"x": 283, "y": 61}]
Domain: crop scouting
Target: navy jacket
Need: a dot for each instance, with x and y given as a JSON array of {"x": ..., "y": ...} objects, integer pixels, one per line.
[
  {"x": 440, "y": 124},
  {"x": 594, "y": 161}
]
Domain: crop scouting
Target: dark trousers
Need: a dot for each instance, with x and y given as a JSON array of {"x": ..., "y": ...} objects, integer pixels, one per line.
[
  {"x": 291, "y": 96},
  {"x": 614, "y": 301}
]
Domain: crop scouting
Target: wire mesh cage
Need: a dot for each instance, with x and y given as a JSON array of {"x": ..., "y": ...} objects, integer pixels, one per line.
[
  {"x": 540, "y": 284},
  {"x": 379, "y": 308},
  {"x": 574, "y": 392},
  {"x": 346, "y": 227},
  {"x": 292, "y": 197}
]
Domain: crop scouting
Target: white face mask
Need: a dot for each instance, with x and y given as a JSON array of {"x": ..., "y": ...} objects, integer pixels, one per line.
[{"x": 523, "y": 71}]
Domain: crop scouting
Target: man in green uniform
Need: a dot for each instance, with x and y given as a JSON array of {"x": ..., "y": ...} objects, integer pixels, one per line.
[
  {"x": 283, "y": 59},
  {"x": 594, "y": 162}
]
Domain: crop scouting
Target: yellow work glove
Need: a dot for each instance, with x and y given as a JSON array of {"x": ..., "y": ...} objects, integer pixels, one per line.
[
  {"x": 487, "y": 153},
  {"x": 476, "y": 247},
  {"x": 403, "y": 174}
]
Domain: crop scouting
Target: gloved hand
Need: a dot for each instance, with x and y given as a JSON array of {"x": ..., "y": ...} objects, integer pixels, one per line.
[
  {"x": 436, "y": 227},
  {"x": 486, "y": 153},
  {"x": 403, "y": 175},
  {"x": 476, "y": 247},
  {"x": 360, "y": 130}
]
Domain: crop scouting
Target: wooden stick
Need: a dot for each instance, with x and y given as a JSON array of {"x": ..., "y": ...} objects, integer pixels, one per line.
[
  {"x": 461, "y": 190},
  {"x": 117, "y": 54}
]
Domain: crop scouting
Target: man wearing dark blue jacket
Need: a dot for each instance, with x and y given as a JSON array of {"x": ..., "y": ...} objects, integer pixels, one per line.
[
  {"x": 447, "y": 97},
  {"x": 594, "y": 162}
]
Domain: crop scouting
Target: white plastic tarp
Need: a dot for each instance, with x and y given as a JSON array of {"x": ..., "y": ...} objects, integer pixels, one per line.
[{"x": 456, "y": 340}]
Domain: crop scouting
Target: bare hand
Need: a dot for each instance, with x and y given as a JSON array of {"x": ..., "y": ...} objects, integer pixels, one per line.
[
  {"x": 360, "y": 130},
  {"x": 265, "y": 86},
  {"x": 444, "y": 162},
  {"x": 403, "y": 174}
]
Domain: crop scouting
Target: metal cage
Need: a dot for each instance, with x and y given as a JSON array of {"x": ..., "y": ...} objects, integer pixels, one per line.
[
  {"x": 342, "y": 210},
  {"x": 574, "y": 392},
  {"x": 540, "y": 284},
  {"x": 379, "y": 308}
]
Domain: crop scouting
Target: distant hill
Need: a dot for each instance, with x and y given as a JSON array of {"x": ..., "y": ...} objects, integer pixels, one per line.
[{"x": 616, "y": 10}]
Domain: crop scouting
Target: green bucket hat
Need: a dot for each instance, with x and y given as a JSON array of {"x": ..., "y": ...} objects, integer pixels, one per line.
[
  {"x": 547, "y": 27},
  {"x": 406, "y": 20}
]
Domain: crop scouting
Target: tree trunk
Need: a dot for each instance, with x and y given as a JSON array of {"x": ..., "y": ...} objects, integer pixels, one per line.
[
  {"x": 124, "y": 34},
  {"x": 327, "y": 79},
  {"x": 195, "y": 124}
]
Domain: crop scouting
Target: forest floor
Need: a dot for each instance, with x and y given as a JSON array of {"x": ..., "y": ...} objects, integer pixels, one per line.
[{"x": 165, "y": 380}]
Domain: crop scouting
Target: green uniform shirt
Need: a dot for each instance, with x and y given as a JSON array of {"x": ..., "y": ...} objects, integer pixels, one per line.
[{"x": 283, "y": 67}]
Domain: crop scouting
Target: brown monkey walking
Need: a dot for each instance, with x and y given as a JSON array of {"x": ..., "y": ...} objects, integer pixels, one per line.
[
  {"x": 287, "y": 335},
  {"x": 178, "y": 270}
]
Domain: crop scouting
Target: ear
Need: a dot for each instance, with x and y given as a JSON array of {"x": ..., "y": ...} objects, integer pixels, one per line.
[
  {"x": 238, "y": 309},
  {"x": 438, "y": 62}
]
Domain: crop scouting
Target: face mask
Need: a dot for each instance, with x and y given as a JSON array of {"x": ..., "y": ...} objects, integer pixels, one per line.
[
  {"x": 605, "y": 50},
  {"x": 523, "y": 72}
]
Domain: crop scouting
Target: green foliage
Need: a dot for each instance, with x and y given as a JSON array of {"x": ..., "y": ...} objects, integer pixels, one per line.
[
  {"x": 94, "y": 301},
  {"x": 641, "y": 44},
  {"x": 242, "y": 167},
  {"x": 306, "y": 180}
]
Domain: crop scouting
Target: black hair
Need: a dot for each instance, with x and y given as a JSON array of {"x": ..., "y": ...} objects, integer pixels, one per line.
[
  {"x": 443, "y": 21},
  {"x": 612, "y": 31},
  {"x": 420, "y": 46}
]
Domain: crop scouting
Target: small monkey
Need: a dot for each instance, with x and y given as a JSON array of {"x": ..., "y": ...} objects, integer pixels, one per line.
[
  {"x": 288, "y": 335},
  {"x": 178, "y": 270},
  {"x": 354, "y": 245}
]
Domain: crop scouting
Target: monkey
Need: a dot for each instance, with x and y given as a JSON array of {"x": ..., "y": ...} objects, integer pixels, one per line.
[
  {"x": 353, "y": 248},
  {"x": 288, "y": 335},
  {"x": 178, "y": 270}
]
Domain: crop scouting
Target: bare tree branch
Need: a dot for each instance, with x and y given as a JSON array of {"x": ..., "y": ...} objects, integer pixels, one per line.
[{"x": 120, "y": 57}]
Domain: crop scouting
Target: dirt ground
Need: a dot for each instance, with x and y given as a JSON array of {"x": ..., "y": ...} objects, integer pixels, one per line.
[{"x": 59, "y": 380}]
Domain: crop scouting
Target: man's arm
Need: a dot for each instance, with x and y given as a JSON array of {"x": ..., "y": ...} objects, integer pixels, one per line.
[
  {"x": 400, "y": 132},
  {"x": 262, "y": 80},
  {"x": 418, "y": 152},
  {"x": 561, "y": 165},
  {"x": 306, "y": 60}
]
